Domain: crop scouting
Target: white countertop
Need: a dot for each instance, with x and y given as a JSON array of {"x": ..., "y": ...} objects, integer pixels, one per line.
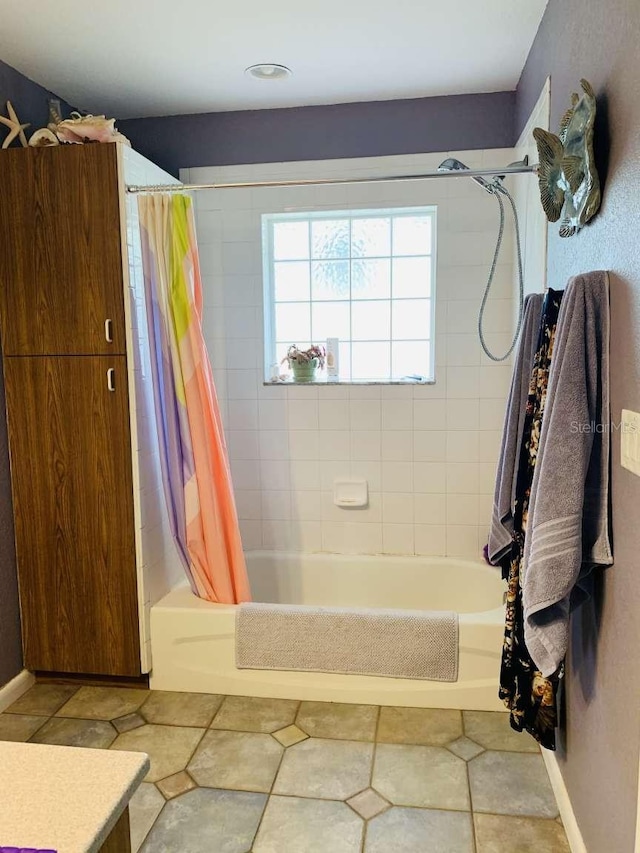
[{"x": 64, "y": 798}]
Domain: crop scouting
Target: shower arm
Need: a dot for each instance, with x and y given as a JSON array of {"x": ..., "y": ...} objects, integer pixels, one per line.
[{"x": 314, "y": 182}]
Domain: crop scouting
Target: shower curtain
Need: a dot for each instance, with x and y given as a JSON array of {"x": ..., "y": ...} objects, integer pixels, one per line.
[{"x": 195, "y": 468}]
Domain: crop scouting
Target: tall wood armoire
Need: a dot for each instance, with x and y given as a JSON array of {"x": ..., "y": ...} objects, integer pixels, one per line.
[{"x": 79, "y": 409}]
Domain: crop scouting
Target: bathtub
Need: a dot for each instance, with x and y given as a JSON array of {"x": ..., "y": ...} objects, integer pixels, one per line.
[{"x": 193, "y": 641}]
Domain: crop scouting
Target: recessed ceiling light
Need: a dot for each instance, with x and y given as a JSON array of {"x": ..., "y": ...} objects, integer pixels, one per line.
[{"x": 268, "y": 71}]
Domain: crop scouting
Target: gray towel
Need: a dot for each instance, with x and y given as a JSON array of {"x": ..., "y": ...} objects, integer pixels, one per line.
[
  {"x": 568, "y": 522},
  {"x": 501, "y": 531}
]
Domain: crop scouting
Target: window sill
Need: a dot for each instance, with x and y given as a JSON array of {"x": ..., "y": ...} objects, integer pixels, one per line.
[{"x": 410, "y": 382}]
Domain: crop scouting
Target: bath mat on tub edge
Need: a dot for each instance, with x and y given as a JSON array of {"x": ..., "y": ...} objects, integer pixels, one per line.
[{"x": 391, "y": 643}]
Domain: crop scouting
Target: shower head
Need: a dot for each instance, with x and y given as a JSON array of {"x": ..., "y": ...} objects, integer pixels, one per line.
[{"x": 453, "y": 165}]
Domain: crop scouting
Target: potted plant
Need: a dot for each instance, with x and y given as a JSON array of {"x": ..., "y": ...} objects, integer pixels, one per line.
[{"x": 304, "y": 363}]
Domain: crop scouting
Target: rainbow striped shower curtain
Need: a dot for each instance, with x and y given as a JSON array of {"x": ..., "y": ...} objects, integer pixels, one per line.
[{"x": 195, "y": 467}]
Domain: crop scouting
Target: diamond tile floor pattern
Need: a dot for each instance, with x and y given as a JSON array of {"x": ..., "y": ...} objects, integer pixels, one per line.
[{"x": 249, "y": 775}]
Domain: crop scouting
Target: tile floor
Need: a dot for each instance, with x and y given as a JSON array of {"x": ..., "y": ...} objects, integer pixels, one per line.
[{"x": 247, "y": 775}]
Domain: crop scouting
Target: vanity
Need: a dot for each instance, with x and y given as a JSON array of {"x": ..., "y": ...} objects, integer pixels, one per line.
[{"x": 67, "y": 799}]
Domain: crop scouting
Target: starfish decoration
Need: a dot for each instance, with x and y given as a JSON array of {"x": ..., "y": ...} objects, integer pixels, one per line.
[{"x": 16, "y": 130}]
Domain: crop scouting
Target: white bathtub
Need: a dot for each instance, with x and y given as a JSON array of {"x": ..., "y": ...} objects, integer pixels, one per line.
[{"x": 193, "y": 641}]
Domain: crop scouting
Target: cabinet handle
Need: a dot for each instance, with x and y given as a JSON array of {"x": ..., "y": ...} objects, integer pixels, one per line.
[
  {"x": 111, "y": 379},
  {"x": 108, "y": 331}
]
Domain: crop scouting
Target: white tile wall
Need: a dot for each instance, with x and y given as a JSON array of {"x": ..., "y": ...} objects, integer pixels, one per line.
[
  {"x": 427, "y": 452},
  {"x": 533, "y": 222}
]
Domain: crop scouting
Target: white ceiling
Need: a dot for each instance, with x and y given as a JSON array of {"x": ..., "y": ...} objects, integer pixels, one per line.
[{"x": 160, "y": 57}]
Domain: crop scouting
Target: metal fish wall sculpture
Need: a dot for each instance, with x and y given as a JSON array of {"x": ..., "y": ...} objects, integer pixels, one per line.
[{"x": 567, "y": 175}]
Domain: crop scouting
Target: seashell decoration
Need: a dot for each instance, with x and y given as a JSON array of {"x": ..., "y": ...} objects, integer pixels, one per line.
[
  {"x": 55, "y": 116},
  {"x": 567, "y": 175},
  {"x": 16, "y": 130},
  {"x": 89, "y": 128},
  {"x": 78, "y": 129},
  {"x": 43, "y": 138}
]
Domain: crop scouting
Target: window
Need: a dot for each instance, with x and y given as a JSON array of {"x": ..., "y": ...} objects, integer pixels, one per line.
[{"x": 365, "y": 277}]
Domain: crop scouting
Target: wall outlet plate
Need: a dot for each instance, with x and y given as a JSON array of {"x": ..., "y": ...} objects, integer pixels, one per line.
[{"x": 630, "y": 441}]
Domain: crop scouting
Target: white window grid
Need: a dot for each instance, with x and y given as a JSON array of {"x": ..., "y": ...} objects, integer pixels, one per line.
[{"x": 269, "y": 260}]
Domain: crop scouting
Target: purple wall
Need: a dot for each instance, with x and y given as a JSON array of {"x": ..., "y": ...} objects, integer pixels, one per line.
[
  {"x": 372, "y": 129},
  {"x": 28, "y": 98},
  {"x": 601, "y": 738},
  {"x": 30, "y": 103}
]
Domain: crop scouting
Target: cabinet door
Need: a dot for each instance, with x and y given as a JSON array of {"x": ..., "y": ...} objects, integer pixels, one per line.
[
  {"x": 61, "y": 284},
  {"x": 73, "y": 505}
]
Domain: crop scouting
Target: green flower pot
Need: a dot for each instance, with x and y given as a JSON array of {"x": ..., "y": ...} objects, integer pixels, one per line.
[{"x": 304, "y": 371}]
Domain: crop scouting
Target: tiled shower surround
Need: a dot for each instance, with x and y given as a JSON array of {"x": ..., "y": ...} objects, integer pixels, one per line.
[{"x": 428, "y": 452}]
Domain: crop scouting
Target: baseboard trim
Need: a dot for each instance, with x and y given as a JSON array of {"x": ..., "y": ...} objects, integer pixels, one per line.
[
  {"x": 637, "y": 844},
  {"x": 14, "y": 689},
  {"x": 574, "y": 836}
]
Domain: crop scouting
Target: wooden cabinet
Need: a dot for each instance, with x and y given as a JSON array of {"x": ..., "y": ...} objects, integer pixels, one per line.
[
  {"x": 68, "y": 381},
  {"x": 61, "y": 264},
  {"x": 71, "y": 472}
]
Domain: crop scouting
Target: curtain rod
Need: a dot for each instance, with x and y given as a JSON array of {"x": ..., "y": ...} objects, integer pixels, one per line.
[{"x": 467, "y": 173}]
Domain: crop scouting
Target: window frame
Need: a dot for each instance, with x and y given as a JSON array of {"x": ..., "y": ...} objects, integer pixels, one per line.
[{"x": 269, "y": 303}]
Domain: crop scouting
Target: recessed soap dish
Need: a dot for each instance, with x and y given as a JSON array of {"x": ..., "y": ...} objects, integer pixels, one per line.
[{"x": 350, "y": 493}]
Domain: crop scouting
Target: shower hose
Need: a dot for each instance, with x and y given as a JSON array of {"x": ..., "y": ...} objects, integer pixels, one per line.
[{"x": 498, "y": 191}]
